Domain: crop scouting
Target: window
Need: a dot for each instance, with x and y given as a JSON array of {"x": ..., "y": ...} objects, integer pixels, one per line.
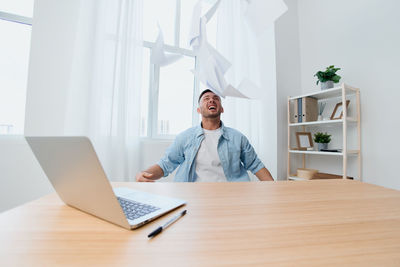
[
  {"x": 168, "y": 96},
  {"x": 15, "y": 29},
  {"x": 175, "y": 98}
]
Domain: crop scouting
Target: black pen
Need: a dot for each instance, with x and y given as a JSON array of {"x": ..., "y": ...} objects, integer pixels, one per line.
[{"x": 174, "y": 219}]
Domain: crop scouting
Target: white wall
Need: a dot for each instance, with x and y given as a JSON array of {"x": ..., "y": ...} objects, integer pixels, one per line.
[
  {"x": 267, "y": 63},
  {"x": 363, "y": 38},
  {"x": 50, "y": 65},
  {"x": 22, "y": 179},
  {"x": 287, "y": 75}
]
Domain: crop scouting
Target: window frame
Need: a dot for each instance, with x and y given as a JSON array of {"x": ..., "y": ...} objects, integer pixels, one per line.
[
  {"x": 154, "y": 81},
  {"x": 14, "y": 18}
]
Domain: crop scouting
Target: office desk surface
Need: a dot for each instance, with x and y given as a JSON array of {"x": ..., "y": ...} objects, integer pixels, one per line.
[{"x": 318, "y": 223}]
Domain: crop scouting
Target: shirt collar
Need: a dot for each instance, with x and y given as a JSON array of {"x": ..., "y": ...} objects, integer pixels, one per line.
[{"x": 199, "y": 131}]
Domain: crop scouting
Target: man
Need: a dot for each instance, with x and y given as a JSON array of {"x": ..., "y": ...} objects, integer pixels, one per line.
[{"x": 209, "y": 152}]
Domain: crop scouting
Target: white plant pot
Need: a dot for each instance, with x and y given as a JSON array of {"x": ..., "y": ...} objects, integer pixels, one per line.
[
  {"x": 326, "y": 85},
  {"x": 322, "y": 146}
]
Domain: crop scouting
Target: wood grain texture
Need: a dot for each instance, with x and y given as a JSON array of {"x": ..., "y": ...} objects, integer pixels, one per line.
[{"x": 314, "y": 223}]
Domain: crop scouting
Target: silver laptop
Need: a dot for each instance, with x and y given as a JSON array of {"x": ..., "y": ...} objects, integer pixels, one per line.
[{"x": 72, "y": 166}]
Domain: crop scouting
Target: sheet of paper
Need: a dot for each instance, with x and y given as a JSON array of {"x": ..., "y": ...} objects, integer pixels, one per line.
[
  {"x": 210, "y": 13},
  {"x": 212, "y": 65},
  {"x": 221, "y": 61},
  {"x": 215, "y": 76},
  {"x": 195, "y": 26},
  {"x": 195, "y": 29},
  {"x": 210, "y": 76},
  {"x": 233, "y": 92},
  {"x": 158, "y": 55}
]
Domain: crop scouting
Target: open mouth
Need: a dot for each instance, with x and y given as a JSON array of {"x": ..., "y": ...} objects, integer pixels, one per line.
[{"x": 212, "y": 108}]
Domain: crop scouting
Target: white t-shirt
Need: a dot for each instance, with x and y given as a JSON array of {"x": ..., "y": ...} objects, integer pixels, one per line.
[{"x": 208, "y": 164}]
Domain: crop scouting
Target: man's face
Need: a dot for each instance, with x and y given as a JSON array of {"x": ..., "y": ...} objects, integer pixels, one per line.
[{"x": 210, "y": 106}]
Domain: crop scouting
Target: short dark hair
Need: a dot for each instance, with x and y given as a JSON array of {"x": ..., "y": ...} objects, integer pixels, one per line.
[{"x": 202, "y": 93}]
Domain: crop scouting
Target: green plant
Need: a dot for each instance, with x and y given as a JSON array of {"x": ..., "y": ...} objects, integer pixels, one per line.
[
  {"x": 322, "y": 137},
  {"x": 328, "y": 75}
]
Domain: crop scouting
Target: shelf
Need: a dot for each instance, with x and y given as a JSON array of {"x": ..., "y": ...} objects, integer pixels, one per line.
[
  {"x": 351, "y": 120},
  {"x": 349, "y": 152},
  {"x": 329, "y": 93},
  {"x": 295, "y": 178},
  {"x": 345, "y": 124}
]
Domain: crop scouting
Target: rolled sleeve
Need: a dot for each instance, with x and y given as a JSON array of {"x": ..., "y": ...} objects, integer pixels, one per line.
[
  {"x": 249, "y": 158},
  {"x": 173, "y": 157}
]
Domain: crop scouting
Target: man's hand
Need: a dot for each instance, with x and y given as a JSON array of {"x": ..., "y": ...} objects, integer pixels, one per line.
[
  {"x": 150, "y": 175},
  {"x": 144, "y": 177}
]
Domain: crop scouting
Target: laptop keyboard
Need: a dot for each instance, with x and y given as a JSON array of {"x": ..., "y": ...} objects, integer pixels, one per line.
[{"x": 134, "y": 210}]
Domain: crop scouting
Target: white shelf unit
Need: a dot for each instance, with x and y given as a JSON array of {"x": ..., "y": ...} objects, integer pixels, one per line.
[
  {"x": 340, "y": 92},
  {"x": 349, "y": 120},
  {"x": 349, "y": 153}
]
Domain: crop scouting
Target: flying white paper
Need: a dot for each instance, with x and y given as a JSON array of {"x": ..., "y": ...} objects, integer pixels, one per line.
[
  {"x": 158, "y": 55},
  {"x": 210, "y": 13},
  {"x": 195, "y": 26},
  {"x": 212, "y": 66},
  {"x": 233, "y": 92}
]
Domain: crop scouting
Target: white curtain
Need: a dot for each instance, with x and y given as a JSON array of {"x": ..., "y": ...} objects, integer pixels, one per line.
[
  {"x": 114, "y": 101},
  {"x": 252, "y": 57},
  {"x": 114, "y": 85},
  {"x": 88, "y": 81}
]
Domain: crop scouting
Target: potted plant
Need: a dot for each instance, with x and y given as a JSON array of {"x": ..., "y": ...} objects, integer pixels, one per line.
[
  {"x": 328, "y": 77},
  {"x": 322, "y": 139}
]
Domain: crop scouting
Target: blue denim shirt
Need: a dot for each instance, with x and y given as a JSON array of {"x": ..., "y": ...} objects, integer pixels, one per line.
[{"x": 234, "y": 150}]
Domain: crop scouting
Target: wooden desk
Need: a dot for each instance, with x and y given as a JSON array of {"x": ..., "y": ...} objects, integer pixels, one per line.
[{"x": 256, "y": 223}]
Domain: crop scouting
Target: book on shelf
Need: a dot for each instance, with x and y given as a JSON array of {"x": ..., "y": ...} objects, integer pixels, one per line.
[
  {"x": 304, "y": 109},
  {"x": 299, "y": 109},
  {"x": 309, "y": 109},
  {"x": 294, "y": 114}
]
